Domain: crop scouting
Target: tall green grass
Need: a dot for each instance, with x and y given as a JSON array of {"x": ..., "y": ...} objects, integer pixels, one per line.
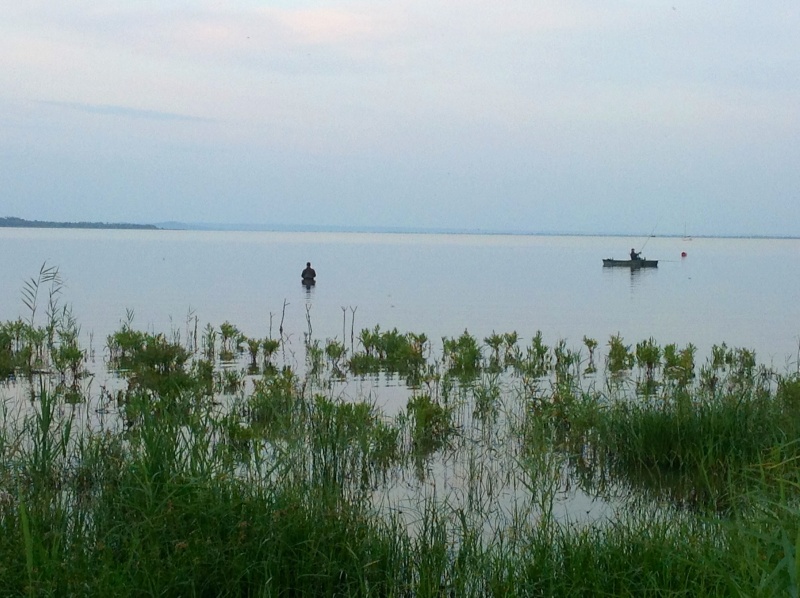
[{"x": 264, "y": 481}]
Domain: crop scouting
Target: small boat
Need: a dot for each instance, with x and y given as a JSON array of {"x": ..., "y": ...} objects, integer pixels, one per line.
[{"x": 640, "y": 263}]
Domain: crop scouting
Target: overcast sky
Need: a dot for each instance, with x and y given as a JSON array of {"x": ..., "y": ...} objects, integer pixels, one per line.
[{"x": 558, "y": 116}]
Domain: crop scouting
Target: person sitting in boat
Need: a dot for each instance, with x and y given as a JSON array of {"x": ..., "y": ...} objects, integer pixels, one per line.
[
  {"x": 309, "y": 274},
  {"x": 635, "y": 255}
]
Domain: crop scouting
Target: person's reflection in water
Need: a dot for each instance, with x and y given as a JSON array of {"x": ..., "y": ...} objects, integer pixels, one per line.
[{"x": 638, "y": 276}]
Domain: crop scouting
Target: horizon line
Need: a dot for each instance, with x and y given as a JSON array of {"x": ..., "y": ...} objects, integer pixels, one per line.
[
  {"x": 332, "y": 228},
  {"x": 319, "y": 228}
]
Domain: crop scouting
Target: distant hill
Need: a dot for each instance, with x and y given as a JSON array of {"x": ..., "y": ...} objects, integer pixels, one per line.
[{"x": 12, "y": 222}]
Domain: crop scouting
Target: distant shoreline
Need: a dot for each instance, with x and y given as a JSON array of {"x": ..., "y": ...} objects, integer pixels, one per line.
[{"x": 12, "y": 222}]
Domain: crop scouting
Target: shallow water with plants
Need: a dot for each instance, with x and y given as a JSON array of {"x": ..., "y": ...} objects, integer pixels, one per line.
[{"x": 202, "y": 460}]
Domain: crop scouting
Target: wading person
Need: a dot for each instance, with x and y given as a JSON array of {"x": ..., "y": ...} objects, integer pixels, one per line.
[{"x": 309, "y": 274}]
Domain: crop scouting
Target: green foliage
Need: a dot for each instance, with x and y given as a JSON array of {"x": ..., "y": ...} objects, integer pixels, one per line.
[
  {"x": 215, "y": 482},
  {"x": 231, "y": 340},
  {"x": 511, "y": 349},
  {"x": 538, "y": 360},
  {"x": 124, "y": 345},
  {"x": 487, "y": 397},
  {"x": 16, "y": 348},
  {"x": 566, "y": 362},
  {"x": 348, "y": 439},
  {"x": 495, "y": 343},
  {"x": 270, "y": 346},
  {"x": 275, "y": 405},
  {"x": 700, "y": 444},
  {"x": 462, "y": 356},
  {"x": 229, "y": 381},
  {"x": 391, "y": 352},
  {"x": 314, "y": 357},
  {"x": 48, "y": 275},
  {"x": 788, "y": 392},
  {"x": 648, "y": 356},
  {"x": 154, "y": 366},
  {"x": 620, "y": 357},
  {"x": 253, "y": 346},
  {"x": 432, "y": 425},
  {"x": 679, "y": 364},
  {"x": 209, "y": 342},
  {"x": 335, "y": 351}
]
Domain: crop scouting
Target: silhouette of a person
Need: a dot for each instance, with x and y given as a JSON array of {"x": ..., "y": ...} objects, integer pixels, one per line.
[{"x": 309, "y": 274}]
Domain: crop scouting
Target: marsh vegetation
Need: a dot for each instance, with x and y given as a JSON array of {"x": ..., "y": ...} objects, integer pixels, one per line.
[{"x": 218, "y": 463}]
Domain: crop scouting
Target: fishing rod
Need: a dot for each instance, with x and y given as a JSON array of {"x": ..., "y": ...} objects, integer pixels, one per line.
[{"x": 651, "y": 236}]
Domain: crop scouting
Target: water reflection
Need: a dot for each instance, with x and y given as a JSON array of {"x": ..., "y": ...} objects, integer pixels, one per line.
[{"x": 636, "y": 275}]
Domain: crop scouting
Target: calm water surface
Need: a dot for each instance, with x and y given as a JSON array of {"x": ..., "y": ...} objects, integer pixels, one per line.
[{"x": 740, "y": 291}]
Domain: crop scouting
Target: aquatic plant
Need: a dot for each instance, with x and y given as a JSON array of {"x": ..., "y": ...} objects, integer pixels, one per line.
[
  {"x": 275, "y": 405},
  {"x": 679, "y": 363},
  {"x": 209, "y": 342},
  {"x": 511, "y": 351},
  {"x": 50, "y": 278},
  {"x": 591, "y": 345},
  {"x": 495, "y": 343},
  {"x": 432, "y": 426},
  {"x": 253, "y": 347},
  {"x": 335, "y": 351},
  {"x": 187, "y": 477},
  {"x": 566, "y": 363},
  {"x": 231, "y": 339},
  {"x": 390, "y": 352},
  {"x": 314, "y": 357},
  {"x": 229, "y": 381},
  {"x": 462, "y": 356},
  {"x": 270, "y": 346},
  {"x": 351, "y": 447},
  {"x": 537, "y": 361},
  {"x": 619, "y": 357}
]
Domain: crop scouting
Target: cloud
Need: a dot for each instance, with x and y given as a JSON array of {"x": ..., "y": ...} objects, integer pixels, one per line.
[{"x": 126, "y": 111}]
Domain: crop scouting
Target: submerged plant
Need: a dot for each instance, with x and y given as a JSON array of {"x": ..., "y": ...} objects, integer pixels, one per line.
[
  {"x": 390, "y": 352},
  {"x": 335, "y": 351},
  {"x": 620, "y": 357},
  {"x": 679, "y": 363},
  {"x": 352, "y": 447},
  {"x": 231, "y": 341},
  {"x": 495, "y": 342},
  {"x": 462, "y": 356},
  {"x": 432, "y": 426},
  {"x": 253, "y": 347},
  {"x": 538, "y": 360},
  {"x": 275, "y": 405}
]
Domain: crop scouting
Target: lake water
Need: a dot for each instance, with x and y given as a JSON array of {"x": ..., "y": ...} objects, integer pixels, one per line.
[{"x": 741, "y": 291}]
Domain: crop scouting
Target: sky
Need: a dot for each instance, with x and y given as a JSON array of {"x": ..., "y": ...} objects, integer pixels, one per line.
[{"x": 568, "y": 116}]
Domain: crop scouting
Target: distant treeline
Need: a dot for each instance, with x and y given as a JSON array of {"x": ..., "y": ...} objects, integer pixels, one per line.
[{"x": 22, "y": 223}]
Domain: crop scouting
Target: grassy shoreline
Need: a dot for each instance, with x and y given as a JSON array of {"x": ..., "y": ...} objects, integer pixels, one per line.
[{"x": 213, "y": 469}]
